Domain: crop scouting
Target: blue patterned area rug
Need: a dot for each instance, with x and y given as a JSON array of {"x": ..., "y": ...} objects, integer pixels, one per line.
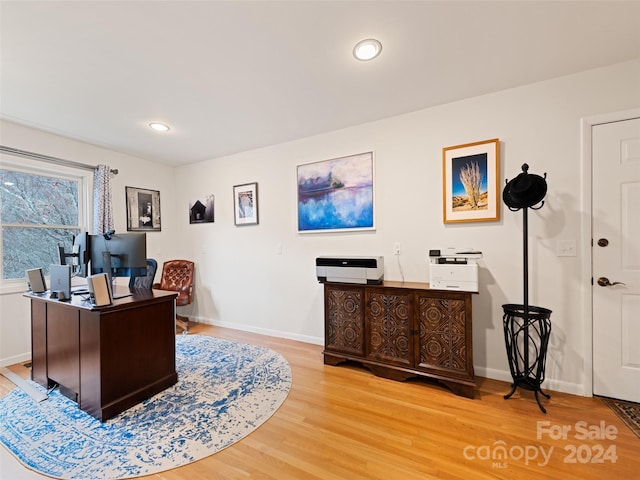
[{"x": 225, "y": 391}]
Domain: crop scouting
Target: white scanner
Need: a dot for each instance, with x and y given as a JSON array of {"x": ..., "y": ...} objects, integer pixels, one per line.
[{"x": 454, "y": 269}]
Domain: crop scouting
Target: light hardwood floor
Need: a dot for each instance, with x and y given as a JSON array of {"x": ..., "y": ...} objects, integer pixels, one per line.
[{"x": 343, "y": 423}]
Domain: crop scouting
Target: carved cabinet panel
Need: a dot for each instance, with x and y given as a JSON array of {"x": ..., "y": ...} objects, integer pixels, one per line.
[
  {"x": 344, "y": 319},
  {"x": 389, "y": 324},
  {"x": 402, "y": 330},
  {"x": 443, "y": 333}
]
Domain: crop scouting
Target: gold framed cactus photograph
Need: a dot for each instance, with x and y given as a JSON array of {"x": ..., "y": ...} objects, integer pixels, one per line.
[{"x": 470, "y": 187}]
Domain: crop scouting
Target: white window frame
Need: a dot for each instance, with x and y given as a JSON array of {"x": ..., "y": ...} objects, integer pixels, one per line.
[{"x": 84, "y": 177}]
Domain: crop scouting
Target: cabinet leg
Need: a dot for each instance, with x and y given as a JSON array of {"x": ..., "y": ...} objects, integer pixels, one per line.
[
  {"x": 389, "y": 373},
  {"x": 330, "y": 359},
  {"x": 459, "y": 389}
]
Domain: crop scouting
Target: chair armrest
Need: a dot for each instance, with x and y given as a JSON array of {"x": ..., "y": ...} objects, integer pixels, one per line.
[
  {"x": 190, "y": 293},
  {"x": 187, "y": 291}
]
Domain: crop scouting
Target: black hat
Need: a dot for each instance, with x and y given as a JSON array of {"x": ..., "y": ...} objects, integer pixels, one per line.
[{"x": 525, "y": 190}]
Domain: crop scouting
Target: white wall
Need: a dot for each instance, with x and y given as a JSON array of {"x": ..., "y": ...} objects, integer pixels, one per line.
[
  {"x": 243, "y": 282},
  {"x": 15, "y": 337}
]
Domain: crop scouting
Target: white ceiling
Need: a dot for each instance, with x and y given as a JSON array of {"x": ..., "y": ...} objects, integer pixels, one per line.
[{"x": 234, "y": 76}]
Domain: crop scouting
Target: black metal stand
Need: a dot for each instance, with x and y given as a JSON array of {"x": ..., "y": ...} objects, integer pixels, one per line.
[
  {"x": 526, "y": 331},
  {"x": 526, "y": 335}
]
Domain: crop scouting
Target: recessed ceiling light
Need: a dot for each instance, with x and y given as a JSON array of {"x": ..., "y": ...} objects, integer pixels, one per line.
[
  {"x": 159, "y": 127},
  {"x": 367, "y": 49}
]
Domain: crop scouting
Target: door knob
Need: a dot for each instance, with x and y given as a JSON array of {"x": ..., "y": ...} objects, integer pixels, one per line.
[
  {"x": 603, "y": 242},
  {"x": 604, "y": 282}
]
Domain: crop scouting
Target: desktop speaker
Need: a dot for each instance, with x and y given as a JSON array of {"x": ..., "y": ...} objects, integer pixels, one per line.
[
  {"x": 100, "y": 289},
  {"x": 36, "y": 281}
]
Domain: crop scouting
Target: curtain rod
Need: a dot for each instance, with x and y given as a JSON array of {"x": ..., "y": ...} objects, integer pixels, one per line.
[{"x": 48, "y": 159}]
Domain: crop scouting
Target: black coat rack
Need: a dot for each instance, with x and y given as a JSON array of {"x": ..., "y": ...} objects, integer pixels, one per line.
[{"x": 526, "y": 327}]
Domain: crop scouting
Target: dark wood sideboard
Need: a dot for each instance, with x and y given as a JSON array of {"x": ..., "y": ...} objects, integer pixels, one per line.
[
  {"x": 106, "y": 359},
  {"x": 401, "y": 330}
]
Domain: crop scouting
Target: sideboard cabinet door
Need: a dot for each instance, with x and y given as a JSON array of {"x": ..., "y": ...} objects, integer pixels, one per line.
[
  {"x": 389, "y": 326},
  {"x": 444, "y": 340},
  {"x": 344, "y": 319}
]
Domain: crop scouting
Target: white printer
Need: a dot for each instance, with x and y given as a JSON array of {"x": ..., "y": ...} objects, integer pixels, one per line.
[
  {"x": 454, "y": 269},
  {"x": 364, "y": 270}
]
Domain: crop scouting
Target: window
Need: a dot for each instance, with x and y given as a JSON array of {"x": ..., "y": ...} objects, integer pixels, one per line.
[{"x": 40, "y": 209}]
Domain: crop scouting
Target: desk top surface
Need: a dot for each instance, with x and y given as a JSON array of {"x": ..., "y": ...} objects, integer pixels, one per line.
[
  {"x": 135, "y": 296},
  {"x": 398, "y": 284}
]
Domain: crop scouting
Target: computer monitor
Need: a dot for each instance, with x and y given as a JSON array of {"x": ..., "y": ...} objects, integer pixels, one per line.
[
  {"x": 122, "y": 255},
  {"x": 79, "y": 257}
]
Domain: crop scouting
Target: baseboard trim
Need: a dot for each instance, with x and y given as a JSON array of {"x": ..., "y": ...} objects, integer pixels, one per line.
[
  {"x": 264, "y": 331},
  {"x": 548, "y": 384},
  {"x": 24, "y": 357},
  {"x": 491, "y": 373}
]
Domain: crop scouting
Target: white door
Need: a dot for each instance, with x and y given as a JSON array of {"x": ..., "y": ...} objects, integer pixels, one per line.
[{"x": 616, "y": 259}]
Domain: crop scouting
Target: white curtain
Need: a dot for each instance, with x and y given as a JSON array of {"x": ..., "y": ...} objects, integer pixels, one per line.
[{"x": 102, "y": 209}]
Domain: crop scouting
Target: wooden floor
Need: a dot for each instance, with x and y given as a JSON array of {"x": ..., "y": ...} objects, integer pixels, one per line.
[{"x": 343, "y": 423}]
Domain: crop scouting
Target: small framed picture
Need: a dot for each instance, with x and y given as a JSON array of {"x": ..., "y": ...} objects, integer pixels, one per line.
[
  {"x": 201, "y": 210},
  {"x": 245, "y": 204},
  {"x": 143, "y": 210},
  {"x": 470, "y": 187}
]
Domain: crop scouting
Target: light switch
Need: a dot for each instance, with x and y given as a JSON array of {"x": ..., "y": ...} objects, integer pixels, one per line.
[{"x": 566, "y": 248}]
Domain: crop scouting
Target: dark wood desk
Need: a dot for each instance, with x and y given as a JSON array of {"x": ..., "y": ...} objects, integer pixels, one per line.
[{"x": 106, "y": 359}]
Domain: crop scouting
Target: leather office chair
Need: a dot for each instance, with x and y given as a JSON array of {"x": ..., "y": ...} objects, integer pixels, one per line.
[
  {"x": 177, "y": 276},
  {"x": 145, "y": 282}
]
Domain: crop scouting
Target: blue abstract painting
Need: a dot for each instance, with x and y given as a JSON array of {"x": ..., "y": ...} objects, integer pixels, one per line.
[{"x": 336, "y": 194}]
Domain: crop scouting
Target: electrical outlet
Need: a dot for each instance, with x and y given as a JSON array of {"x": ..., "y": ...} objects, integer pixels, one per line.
[{"x": 396, "y": 248}]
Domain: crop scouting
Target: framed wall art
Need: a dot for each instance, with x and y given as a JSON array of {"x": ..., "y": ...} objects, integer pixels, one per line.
[
  {"x": 470, "y": 187},
  {"x": 245, "y": 204},
  {"x": 336, "y": 194},
  {"x": 201, "y": 210},
  {"x": 143, "y": 210}
]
